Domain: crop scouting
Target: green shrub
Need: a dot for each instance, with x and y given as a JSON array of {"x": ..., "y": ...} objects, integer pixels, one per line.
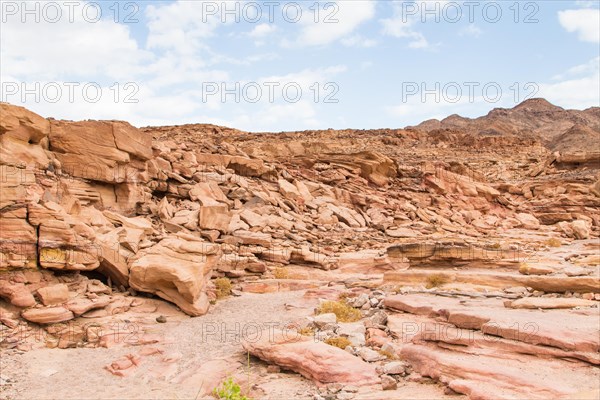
[{"x": 229, "y": 390}]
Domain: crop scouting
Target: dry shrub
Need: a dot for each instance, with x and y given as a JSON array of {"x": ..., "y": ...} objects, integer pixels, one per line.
[
  {"x": 342, "y": 311},
  {"x": 223, "y": 286},
  {"x": 435, "y": 280},
  {"x": 553, "y": 242},
  {"x": 281, "y": 273},
  {"x": 340, "y": 342}
]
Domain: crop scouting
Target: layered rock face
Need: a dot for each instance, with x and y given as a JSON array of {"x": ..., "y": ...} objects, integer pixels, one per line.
[
  {"x": 66, "y": 190},
  {"x": 103, "y": 195},
  {"x": 504, "y": 206}
]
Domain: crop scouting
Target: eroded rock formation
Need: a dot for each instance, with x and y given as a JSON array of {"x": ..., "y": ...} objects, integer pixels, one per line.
[{"x": 504, "y": 206}]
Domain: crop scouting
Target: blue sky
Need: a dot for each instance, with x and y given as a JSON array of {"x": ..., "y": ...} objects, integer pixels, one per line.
[{"x": 360, "y": 65}]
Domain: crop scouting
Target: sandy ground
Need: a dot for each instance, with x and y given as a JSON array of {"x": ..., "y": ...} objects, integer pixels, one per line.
[
  {"x": 193, "y": 342},
  {"x": 198, "y": 353}
]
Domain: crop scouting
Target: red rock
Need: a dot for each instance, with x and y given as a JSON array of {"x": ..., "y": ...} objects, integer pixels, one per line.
[
  {"x": 91, "y": 150},
  {"x": 124, "y": 365},
  {"x": 215, "y": 217},
  {"x": 549, "y": 303},
  {"x": 560, "y": 328},
  {"x": 149, "y": 351},
  {"x": 53, "y": 295},
  {"x": 47, "y": 315},
  {"x": 177, "y": 270},
  {"x": 487, "y": 377},
  {"x": 16, "y": 293},
  {"x": 314, "y": 360},
  {"x": 23, "y": 136},
  {"x": 81, "y": 306}
]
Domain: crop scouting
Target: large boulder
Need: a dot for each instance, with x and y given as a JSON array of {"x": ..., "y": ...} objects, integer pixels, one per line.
[
  {"x": 528, "y": 221},
  {"x": 215, "y": 217},
  {"x": 178, "y": 270},
  {"x": 23, "y": 137},
  {"x": 47, "y": 315},
  {"x": 314, "y": 360},
  {"x": 581, "y": 229},
  {"x": 105, "y": 151},
  {"x": 54, "y": 294},
  {"x": 248, "y": 167},
  {"x": 375, "y": 167}
]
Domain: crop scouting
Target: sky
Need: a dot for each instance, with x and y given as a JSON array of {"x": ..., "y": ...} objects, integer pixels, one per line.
[{"x": 280, "y": 65}]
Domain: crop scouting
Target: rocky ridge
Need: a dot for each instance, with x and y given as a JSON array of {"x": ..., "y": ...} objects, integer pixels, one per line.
[{"x": 96, "y": 216}]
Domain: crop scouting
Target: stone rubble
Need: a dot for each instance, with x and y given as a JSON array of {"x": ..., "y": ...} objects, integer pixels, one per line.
[{"x": 480, "y": 227}]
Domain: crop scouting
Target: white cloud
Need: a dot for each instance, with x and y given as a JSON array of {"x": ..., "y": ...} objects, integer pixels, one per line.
[
  {"x": 419, "y": 42},
  {"x": 586, "y": 3},
  {"x": 168, "y": 68},
  {"x": 407, "y": 16},
  {"x": 397, "y": 29},
  {"x": 589, "y": 68},
  {"x": 305, "y": 79},
  {"x": 70, "y": 49},
  {"x": 335, "y": 22},
  {"x": 417, "y": 109},
  {"x": 302, "y": 113},
  {"x": 271, "y": 118},
  {"x": 283, "y": 112},
  {"x": 262, "y": 30},
  {"x": 471, "y": 30},
  {"x": 182, "y": 27},
  {"x": 578, "y": 87},
  {"x": 401, "y": 25},
  {"x": 260, "y": 33},
  {"x": 358, "y": 41},
  {"x": 585, "y": 22}
]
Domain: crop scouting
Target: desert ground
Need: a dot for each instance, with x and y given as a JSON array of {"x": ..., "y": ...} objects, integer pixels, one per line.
[{"x": 452, "y": 259}]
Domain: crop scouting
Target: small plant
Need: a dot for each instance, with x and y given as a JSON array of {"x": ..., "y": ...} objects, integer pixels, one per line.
[
  {"x": 340, "y": 342},
  {"x": 553, "y": 242},
  {"x": 524, "y": 268},
  {"x": 341, "y": 309},
  {"x": 397, "y": 289},
  {"x": 280, "y": 273},
  {"x": 388, "y": 355},
  {"x": 343, "y": 296},
  {"x": 436, "y": 280},
  {"x": 223, "y": 286},
  {"x": 229, "y": 390},
  {"x": 307, "y": 331}
]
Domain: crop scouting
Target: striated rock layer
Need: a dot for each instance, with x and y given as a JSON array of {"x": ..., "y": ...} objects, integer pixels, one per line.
[{"x": 479, "y": 224}]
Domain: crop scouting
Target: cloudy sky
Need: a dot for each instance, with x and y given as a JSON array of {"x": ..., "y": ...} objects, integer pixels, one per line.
[{"x": 272, "y": 66}]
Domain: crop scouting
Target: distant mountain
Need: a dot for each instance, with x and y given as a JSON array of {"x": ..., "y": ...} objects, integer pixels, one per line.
[{"x": 535, "y": 117}]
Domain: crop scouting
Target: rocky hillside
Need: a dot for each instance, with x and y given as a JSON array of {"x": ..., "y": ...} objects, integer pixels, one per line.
[
  {"x": 535, "y": 118},
  {"x": 442, "y": 222}
]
